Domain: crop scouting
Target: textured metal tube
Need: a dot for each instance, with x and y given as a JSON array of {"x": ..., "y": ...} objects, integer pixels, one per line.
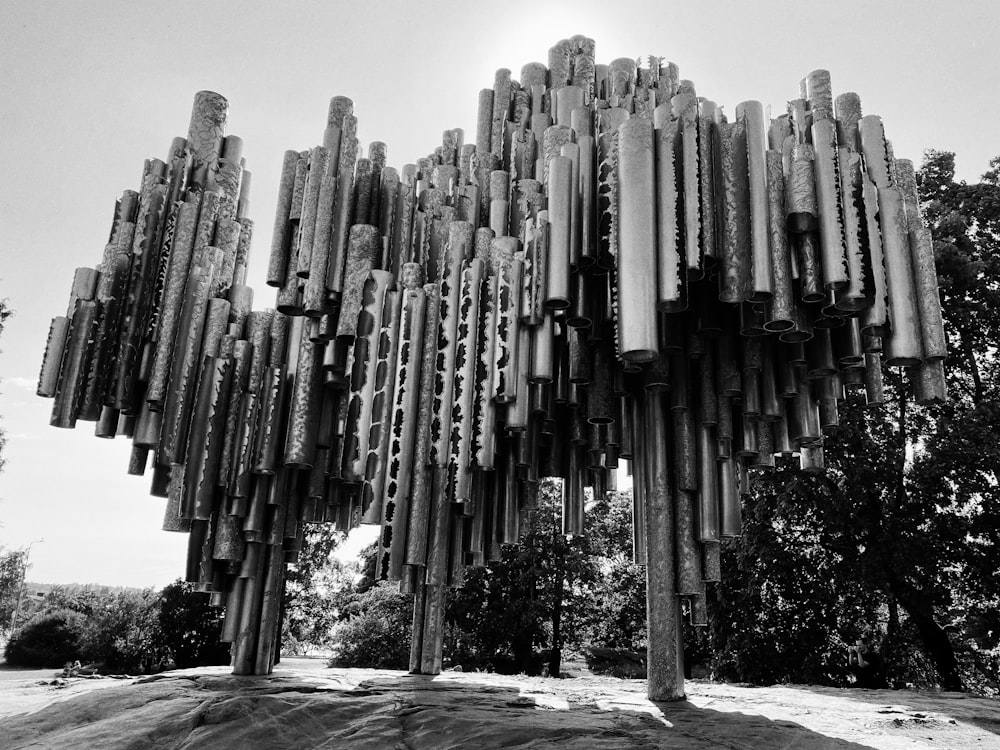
[
  {"x": 734, "y": 216},
  {"x": 708, "y": 116},
  {"x": 396, "y": 505},
  {"x": 873, "y": 147},
  {"x": 751, "y": 113},
  {"x": 48, "y": 378},
  {"x": 935, "y": 347},
  {"x": 172, "y": 303},
  {"x": 464, "y": 389},
  {"x": 458, "y": 249},
  {"x": 314, "y": 294},
  {"x": 685, "y": 109},
  {"x": 341, "y": 231},
  {"x": 379, "y": 437},
  {"x": 903, "y": 346},
  {"x": 573, "y": 515},
  {"x": 588, "y": 201},
  {"x": 508, "y": 271},
  {"x": 800, "y": 190},
  {"x": 72, "y": 372},
  {"x": 281, "y": 239},
  {"x": 433, "y": 630},
  {"x": 484, "y": 426},
  {"x": 185, "y": 365},
  {"x": 857, "y": 293},
  {"x": 671, "y": 274},
  {"x": 781, "y": 312},
  {"x": 369, "y": 327},
  {"x": 831, "y": 227},
  {"x": 207, "y": 435},
  {"x": 637, "y": 318},
  {"x": 663, "y": 656},
  {"x": 874, "y": 318},
  {"x": 205, "y": 133},
  {"x": 420, "y": 496},
  {"x": 303, "y": 418},
  {"x": 730, "y": 512},
  {"x": 560, "y": 192},
  {"x": 361, "y": 253},
  {"x": 535, "y": 277},
  {"x": 708, "y": 486}
]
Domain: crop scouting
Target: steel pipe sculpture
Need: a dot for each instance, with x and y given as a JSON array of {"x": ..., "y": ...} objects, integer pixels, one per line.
[{"x": 613, "y": 271}]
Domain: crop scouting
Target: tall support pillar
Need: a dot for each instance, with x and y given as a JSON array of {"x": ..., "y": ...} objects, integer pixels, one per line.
[{"x": 664, "y": 653}]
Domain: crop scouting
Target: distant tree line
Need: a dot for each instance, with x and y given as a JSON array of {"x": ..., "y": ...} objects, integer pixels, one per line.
[{"x": 118, "y": 631}]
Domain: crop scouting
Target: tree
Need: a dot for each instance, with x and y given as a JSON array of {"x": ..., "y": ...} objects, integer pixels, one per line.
[
  {"x": 48, "y": 640},
  {"x": 901, "y": 533},
  {"x": 189, "y": 627},
  {"x": 310, "y": 611},
  {"x": 376, "y": 633},
  {"x": 541, "y": 592},
  {"x": 122, "y": 632},
  {"x": 11, "y": 580},
  {"x": 618, "y": 613}
]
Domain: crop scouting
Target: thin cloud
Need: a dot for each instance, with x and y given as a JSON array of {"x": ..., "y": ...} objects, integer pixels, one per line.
[{"x": 27, "y": 384}]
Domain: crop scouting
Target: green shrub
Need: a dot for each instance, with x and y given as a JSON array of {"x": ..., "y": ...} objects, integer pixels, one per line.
[
  {"x": 122, "y": 632},
  {"x": 48, "y": 640},
  {"x": 377, "y": 635},
  {"x": 190, "y": 628}
]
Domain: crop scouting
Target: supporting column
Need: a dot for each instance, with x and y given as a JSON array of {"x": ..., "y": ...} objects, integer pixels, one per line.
[{"x": 664, "y": 653}]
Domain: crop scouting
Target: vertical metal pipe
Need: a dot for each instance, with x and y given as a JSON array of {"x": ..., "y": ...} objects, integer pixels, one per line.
[
  {"x": 831, "y": 227},
  {"x": 508, "y": 270},
  {"x": 735, "y": 258},
  {"x": 560, "y": 190},
  {"x": 356, "y": 438},
  {"x": 671, "y": 274},
  {"x": 663, "y": 657},
  {"x": 421, "y": 494},
  {"x": 404, "y": 422},
  {"x": 637, "y": 318},
  {"x": 458, "y": 249},
  {"x": 379, "y": 437},
  {"x": 751, "y": 113},
  {"x": 72, "y": 371},
  {"x": 903, "y": 346},
  {"x": 463, "y": 395}
]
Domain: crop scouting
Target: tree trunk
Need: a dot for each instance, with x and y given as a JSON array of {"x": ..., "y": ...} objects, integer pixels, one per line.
[
  {"x": 936, "y": 642},
  {"x": 970, "y": 358},
  {"x": 934, "y": 638},
  {"x": 555, "y": 655}
]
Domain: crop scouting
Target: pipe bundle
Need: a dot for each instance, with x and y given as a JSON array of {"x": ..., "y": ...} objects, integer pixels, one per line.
[{"x": 613, "y": 271}]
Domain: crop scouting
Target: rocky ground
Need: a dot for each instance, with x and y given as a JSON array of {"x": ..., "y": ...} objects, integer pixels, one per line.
[{"x": 307, "y": 705}]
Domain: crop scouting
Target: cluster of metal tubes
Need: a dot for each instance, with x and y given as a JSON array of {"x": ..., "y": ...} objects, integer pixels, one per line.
[{"x": 612, "y": 272}]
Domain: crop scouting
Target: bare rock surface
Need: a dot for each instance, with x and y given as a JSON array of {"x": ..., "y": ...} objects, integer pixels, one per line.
[{"x": 306, "y": 705}]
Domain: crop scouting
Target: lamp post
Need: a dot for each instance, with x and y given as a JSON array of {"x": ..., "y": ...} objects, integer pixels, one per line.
[{"x": 20, "y": 587}]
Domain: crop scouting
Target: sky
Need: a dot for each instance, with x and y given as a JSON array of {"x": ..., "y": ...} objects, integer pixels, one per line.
[{"x": 90, "y": 89}]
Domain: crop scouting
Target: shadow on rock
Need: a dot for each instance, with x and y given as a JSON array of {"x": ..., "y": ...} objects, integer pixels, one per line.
[{"x": 384, "y": 711}]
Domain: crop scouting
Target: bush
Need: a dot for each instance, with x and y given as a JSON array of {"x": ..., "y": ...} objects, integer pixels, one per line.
[
  {"x": 122, "y": 632},
  {"x": 48, "y": 640},
  {"x": 378, "y": 634},
  {"x": 190, "y": 628}
]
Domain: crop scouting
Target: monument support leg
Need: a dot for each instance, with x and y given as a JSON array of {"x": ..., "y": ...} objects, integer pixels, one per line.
[
  {"x": 431, "y": 655},
  {"x": 417, "y": 634},
  {"x": 427, "y": 645},
  {"x": 664, "y": 655}
]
